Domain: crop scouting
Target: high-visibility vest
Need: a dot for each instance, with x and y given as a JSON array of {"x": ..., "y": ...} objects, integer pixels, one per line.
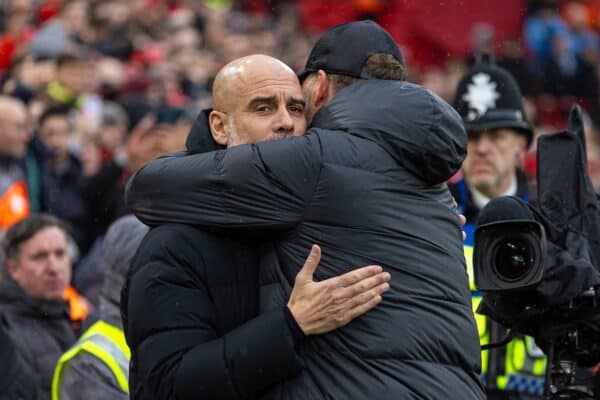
[
  {"x": 524, "y": 365},
  {"x": 105, "y": 342},
  {"x": 78, "y": 308},
  {"x": 14, "y": 204}
]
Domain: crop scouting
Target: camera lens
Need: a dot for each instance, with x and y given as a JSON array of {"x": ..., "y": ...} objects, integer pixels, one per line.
[{"x": 513, "y": 258}]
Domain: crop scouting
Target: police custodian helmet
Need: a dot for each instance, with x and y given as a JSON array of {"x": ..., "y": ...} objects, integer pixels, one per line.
[{"x": 488, "y": 97}]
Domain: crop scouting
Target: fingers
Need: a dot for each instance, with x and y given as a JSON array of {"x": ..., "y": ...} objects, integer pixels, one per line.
[
  {"x": 310, "y": 265},
  {"x": 354, "y": 276},
  {"x": 367, "y": 295},
  {"x": 462, "y": 219},
  {"x": 361, "y": 289},
  {"x": 363, "y": 308}
]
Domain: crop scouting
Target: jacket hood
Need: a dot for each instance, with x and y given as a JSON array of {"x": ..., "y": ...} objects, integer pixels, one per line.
[
  {"x": 120, "y": 244},
  {"x": 199, "y": 139},
  {"x": 417, "y": 128}
]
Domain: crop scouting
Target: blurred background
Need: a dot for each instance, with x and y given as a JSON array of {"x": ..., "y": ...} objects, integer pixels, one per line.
[{"x": 101, "y": 87}]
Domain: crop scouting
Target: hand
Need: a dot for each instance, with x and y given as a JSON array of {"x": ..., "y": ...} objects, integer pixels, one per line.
[{"x": 320, "y": 307}]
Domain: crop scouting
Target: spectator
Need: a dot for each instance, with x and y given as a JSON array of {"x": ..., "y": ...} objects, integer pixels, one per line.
[
  {"x": 83, "y": 372},
  {"x": 62, "y": 32},
  {"x": 37, "y": 272},
  {"x": 14, "y": 135},
  {"x": 65, "y": 178},
  {"x": 18, "y": 31}
]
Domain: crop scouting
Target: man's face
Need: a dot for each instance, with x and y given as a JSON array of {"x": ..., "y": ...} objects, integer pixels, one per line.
[
  {"x": 76, "y": 76},
  {"x": 14, "y": 134},
  {"x": 42, "y": 266},
  {"x": 55, "y": 133},
  {"x": 266, "y": 103},
  {"x": 492, "y": 157}
]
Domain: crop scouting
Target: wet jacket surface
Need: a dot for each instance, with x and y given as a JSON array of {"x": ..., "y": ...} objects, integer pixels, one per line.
[
  {"x": 189, "y": 306},
  {"x": 367, "y": 184}
]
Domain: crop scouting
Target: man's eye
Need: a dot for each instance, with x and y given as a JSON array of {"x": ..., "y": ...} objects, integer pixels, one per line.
[
  {"x": 263, "y": 108},
  {"x": 495, "y": 136},
  {"x": 297, "y": 109}
]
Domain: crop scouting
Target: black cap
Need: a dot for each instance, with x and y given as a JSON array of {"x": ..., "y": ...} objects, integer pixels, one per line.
[
  {"x": 344, "y": 48},
  {"x": 488, "y": 97}
]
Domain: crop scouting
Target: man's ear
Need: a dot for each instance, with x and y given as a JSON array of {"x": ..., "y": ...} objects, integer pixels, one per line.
[
  {"x": 218, "y": 127},
  {"x": 322, "y": 93},
  {"x": 11, "y": 266}
]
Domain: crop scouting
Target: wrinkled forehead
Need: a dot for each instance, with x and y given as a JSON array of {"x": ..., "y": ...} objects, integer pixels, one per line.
[{"x": 263, "y": 84}]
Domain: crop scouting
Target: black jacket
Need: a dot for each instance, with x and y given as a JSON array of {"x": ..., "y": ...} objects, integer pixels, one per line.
[
  {"x": 41, "y": 331},
  {"x": 16, "y": 379},
  {"x": 186, "y": 295},
  {"x": 366, "y": 182}
]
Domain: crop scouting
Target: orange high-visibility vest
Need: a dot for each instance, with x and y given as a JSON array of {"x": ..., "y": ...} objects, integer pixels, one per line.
[
  {"x": 14, "y": 204},
  {"x": 77, "y": 305}
]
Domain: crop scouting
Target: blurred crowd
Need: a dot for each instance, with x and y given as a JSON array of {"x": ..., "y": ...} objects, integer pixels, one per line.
[
  {"x": 94, "y": 89},
  {"x": 90, "y": 90}
]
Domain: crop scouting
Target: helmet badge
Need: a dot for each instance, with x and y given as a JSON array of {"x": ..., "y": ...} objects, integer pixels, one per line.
[{"x": 481, "y": 95}]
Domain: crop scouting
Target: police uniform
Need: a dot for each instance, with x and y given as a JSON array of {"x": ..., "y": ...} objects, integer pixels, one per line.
[{"x": 488, "y": 97}]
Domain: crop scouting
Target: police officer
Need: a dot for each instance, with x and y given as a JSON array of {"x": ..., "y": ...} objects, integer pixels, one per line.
[{"x": 491, "y": 106}]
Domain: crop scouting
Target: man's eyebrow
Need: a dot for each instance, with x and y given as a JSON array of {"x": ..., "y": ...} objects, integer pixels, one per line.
[
  {"x": 260, "y": 100},
  {"x": 296, "y": 101}
]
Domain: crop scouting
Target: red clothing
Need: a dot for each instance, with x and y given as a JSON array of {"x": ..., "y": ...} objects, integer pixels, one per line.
[{"x": 9, "y": 44}]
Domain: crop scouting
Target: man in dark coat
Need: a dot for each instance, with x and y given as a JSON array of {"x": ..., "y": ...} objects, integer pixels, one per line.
[
  {"x": 367, "y": 182},
  {"x": 32, "y": 308},
  {"x": 191, "y": 299}
]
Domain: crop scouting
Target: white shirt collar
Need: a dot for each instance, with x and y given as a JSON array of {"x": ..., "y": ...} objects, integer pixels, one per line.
[{"x": 481, "y": 199}]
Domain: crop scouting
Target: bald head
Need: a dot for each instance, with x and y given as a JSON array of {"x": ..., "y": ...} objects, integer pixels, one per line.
[
  {"x": 13, "y": 131},
  {"x": 244, "y": 73},
  {"x": 256, "y": 98}
]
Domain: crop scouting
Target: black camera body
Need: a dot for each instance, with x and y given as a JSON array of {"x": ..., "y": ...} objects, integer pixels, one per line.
[
  {"x": 538, "y": 265},
  {"x": 513, "y": 254}
]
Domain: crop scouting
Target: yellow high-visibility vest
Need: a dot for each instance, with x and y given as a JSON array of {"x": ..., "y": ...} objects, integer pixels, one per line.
[
  {"x": 525, "y": 364},
  {"x": 107, "y": 343}
]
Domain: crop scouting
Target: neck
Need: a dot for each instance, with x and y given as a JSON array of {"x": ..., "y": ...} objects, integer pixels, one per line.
[{"x": 500, "y": 190}]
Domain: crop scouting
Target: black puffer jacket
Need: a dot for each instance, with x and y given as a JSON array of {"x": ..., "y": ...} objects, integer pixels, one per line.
[
  {"x": 189, "y": 306},
  {"x": 367, "y": 183}
]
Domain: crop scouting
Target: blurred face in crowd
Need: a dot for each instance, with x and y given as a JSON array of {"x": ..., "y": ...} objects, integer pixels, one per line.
[
  {"x": 256, "y": 98},
  {"x": 492, "y": 157},
  {"x": 75, "y": 15},
  {"x": 14, "y": 134},
  {"x": 42, "y": 267},
  {"x": 76, "y": 75},
  {"x": 55, "y": 133}
]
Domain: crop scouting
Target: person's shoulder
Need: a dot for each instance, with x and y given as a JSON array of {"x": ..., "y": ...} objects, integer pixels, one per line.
[{"x": 181, "y": 244}]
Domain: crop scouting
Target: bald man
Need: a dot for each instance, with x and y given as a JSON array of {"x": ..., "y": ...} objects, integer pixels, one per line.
[
  {"x": 190, "y": 303},
  {"x": 256, "y": 98},
  {"x": 14, "y": 201}
]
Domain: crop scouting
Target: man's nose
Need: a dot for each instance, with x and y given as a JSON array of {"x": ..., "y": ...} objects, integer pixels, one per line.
[
  {"x": 53, "y": 265},
  {"x": 483, "y": 144},
  {"x": 285, "y": 122}
]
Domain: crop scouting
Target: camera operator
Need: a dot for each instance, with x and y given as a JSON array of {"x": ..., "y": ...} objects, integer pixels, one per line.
[{"x": 491, "y": 106}]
